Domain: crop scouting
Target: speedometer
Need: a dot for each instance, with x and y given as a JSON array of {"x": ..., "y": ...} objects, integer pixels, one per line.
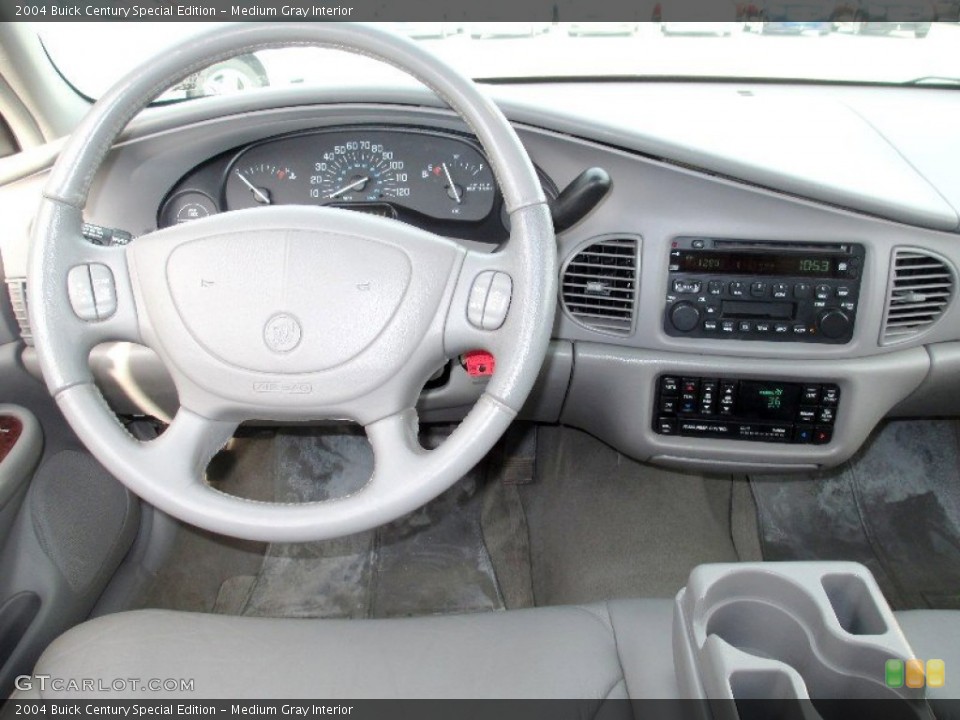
[{"x": 359, "y": 170}]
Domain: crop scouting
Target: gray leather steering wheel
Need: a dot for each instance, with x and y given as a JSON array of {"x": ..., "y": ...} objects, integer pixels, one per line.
[{"x": 291, "y": 313}]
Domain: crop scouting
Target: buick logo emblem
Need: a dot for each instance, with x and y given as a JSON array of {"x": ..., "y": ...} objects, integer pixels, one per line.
[{"x": 282, "y": 333}]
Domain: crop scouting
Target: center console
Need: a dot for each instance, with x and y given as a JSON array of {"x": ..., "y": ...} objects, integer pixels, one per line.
[{"x": 756, "y": 290}]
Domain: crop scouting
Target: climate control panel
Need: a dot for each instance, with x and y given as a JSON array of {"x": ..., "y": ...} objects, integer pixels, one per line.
[
  {"x": 746, "y": 290},
  {"x": 746, "y": 409}
]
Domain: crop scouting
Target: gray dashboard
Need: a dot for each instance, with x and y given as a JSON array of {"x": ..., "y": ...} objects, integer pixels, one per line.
[{"x": 771, "y": 163}]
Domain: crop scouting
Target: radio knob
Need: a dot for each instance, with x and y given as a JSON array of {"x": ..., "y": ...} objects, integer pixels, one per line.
[
  {"x": 684, "y": 316},
  {"x": 833, "y": 324}
]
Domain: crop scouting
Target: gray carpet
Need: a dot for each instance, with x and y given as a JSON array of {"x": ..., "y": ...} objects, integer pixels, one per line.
[
  {"x": 431, "y": 561},
  {"x": 895, "y": 507},
  {"x": 603, "y": 526}
]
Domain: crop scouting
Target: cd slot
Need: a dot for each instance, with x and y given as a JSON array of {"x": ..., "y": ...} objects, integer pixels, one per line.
[
  {"x": 741, "y": 309},
  {"x": 780, "y": 246}
]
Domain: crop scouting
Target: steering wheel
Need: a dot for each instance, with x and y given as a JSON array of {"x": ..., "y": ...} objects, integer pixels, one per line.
[{"x": 291, "y": 313}]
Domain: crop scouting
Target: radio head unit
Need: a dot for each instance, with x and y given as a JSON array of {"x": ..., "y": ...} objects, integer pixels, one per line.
[{"x": 763, "y": 290}]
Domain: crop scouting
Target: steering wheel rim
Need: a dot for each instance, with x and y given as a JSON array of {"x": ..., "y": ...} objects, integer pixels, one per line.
[{"x": 426, "y": 299}]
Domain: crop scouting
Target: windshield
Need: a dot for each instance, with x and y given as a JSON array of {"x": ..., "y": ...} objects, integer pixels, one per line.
[{"x": 919, "y": 51}]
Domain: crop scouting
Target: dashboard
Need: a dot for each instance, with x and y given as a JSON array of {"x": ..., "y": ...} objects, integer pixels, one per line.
[{"x": 732, "y": 302}]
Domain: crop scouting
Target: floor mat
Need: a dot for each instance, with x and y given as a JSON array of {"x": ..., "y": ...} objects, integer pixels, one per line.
[
  {"x": 895, "y": 507},
  {"x": 602, "y": 525},
  {"x": 431, "y": 561}
]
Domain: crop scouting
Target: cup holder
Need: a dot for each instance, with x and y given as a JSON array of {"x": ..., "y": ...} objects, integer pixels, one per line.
[{"x": 817, "y": 633}]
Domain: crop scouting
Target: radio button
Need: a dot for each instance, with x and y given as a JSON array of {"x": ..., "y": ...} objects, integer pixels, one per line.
[
  {"x": 799, "y": 329},
  {"x": 715, "y": 287},
  {"x": 759, "y": 289},
  {"x": 833, "y": 324},
  {"x": 780, "y": 290},
  {"x": 781, "y": 328},
  {"x": 762, "y": 327},
  {"x": 712, "y": 310},
  {"x": 802, "y": 291},
  {"x": 684, "y": 316},
  {"x": 823, "y": 292},
  {"x": 745, "y": 326},
  {"x": 687, "y": 287},
  {"x": 843, "y": 291},
  {"x": 710, "y": 325},
  {"x": 728, "y": 326},
  {"x": 738, "y": 289}
]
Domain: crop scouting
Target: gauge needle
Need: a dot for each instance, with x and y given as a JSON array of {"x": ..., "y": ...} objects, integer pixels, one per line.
[
  {"x": 351, "y": 186},
  {"x": 453, "y": 188},
  {"x": 257, "y": 193}
]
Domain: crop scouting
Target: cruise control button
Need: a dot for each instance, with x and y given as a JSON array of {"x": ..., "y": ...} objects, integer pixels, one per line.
[
  {"x": 80, "y": 292},
  {"x": 104, "y": 290},
  {"x": 498, "y": 301}
]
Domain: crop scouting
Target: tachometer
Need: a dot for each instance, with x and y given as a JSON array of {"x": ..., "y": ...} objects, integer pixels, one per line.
[{"x": 358, "y": 170}]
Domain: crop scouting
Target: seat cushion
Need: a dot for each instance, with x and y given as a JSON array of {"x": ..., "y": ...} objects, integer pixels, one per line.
[{"x": 602, "y": 651}]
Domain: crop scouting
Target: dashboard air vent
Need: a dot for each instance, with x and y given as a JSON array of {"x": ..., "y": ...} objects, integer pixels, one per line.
[
  {"x": 600, "y": 286},
  {"x": 921, "y": 286},
  {"x": 18, "y": 299}
]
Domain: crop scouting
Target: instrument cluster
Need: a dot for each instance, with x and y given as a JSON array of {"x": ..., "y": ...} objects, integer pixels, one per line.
[{"x": 438, "y": 180}]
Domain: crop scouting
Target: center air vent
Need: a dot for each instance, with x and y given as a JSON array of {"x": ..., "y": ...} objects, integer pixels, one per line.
[
  {"x": 600, "y": 285},
  {"x": 18, "y": 299},
  {"x": 921, "y": 286}
]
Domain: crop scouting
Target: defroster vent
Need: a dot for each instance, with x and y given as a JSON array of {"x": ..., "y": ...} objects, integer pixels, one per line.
[
  {"x": 921, "y": 287},
  {"x": 600, "y": 285}
]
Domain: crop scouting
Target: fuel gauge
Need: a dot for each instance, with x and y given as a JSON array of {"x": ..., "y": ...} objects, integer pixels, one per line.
[{"x": 462, "y": 188}]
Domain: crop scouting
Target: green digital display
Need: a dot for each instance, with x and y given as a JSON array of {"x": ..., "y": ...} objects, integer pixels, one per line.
[{"x": 768, "y": 400}]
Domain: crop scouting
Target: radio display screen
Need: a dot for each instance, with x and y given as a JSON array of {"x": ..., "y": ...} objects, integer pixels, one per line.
[
  {"x": 732, "y": 263},
  {"x": 768, "y": 400}
]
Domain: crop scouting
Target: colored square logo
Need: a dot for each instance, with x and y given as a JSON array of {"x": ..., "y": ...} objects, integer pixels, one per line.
[
  {"x": 894, "y": 673},
  {"x": 914, "y": 673},
  {"x": 936, "y": 673}
]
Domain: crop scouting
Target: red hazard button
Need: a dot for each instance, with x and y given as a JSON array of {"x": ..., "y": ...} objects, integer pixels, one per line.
[{"x": 479, "y": 363}]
